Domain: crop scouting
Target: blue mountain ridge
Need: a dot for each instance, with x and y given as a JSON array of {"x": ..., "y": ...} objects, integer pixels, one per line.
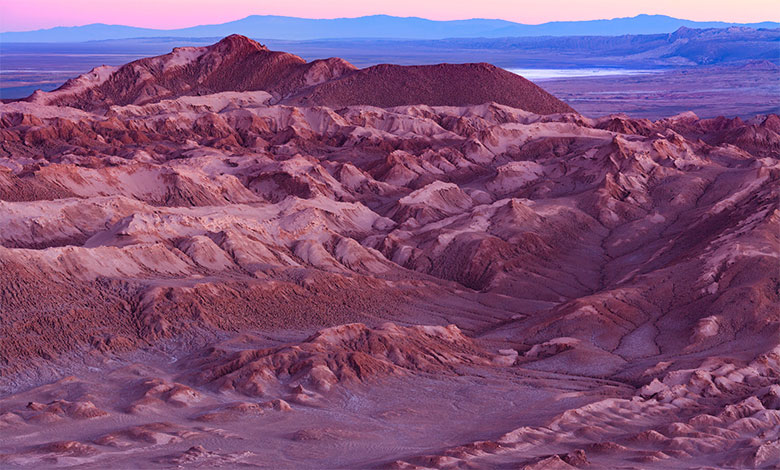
[{"x": 377, "y": 27}]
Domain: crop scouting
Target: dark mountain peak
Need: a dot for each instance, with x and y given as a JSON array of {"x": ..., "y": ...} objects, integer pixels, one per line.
[
  {"x": 238, "y": 43},
  {"x": 389, "y": 85},
  {"x": 237, "y": 63}
]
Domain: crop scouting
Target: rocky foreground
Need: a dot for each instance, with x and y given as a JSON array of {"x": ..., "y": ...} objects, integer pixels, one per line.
[{"x": 237, "y": 279}]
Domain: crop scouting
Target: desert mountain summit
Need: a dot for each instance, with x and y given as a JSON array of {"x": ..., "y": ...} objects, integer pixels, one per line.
[{"x": 237, "y": 63}]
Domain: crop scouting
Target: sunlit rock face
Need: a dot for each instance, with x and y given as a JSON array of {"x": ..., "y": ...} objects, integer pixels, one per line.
[{"x": 238, "y": 272}]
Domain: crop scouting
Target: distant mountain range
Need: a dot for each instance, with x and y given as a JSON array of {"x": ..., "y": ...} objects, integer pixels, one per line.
[{"x": 376, "y": 27}]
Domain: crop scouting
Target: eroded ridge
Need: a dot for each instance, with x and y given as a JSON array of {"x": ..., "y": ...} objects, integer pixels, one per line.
[{"x": 220, "y": 280}]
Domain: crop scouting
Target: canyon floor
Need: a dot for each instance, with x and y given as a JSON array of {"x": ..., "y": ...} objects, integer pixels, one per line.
[{"x": 200, "y": 277}]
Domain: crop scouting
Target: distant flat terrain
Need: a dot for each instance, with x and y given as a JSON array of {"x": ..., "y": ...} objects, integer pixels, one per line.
[{"x": 708, "y": 92}]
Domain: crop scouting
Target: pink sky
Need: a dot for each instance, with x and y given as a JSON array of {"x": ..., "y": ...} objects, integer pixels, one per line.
[{"x": 20, "y": 15}]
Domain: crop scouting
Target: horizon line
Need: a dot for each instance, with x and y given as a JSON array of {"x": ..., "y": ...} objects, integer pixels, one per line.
[{"x": 391, "y": 16}]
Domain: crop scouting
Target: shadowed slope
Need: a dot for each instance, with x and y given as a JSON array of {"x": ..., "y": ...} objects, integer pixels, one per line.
[{"x": 388, "y": 85}]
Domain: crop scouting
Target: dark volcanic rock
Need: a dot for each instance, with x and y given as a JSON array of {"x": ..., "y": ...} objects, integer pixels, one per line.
[{"x": 237, "y": 63}]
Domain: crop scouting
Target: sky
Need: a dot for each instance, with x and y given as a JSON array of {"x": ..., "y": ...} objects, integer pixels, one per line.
[{"x": 24, "y": 15}]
